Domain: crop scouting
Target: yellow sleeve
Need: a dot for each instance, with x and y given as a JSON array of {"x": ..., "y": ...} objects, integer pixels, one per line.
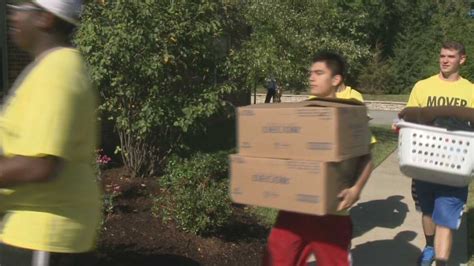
[
  {"x": 350, "y": 93},
  {"x": 472, "y": 97},
  {"x": 413, "y": 100},
  {"x": 373, "y": 140},
  {"x": 358, "y": 96}
]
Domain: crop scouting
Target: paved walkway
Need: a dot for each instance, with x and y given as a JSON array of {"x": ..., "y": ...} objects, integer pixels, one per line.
[
  {"x": 382, "y": 117},
  {"x": 387, "y": 229}
]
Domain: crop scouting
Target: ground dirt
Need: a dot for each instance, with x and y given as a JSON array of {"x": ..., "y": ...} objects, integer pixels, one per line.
[{"x": 133, "y": 236}]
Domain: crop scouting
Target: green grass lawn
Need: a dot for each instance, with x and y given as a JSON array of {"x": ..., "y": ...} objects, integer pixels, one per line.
[{"x": 386, "y": 144}]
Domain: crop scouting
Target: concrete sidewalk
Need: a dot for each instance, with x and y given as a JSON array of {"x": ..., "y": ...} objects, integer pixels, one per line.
[{"x": 387, "y": 229}]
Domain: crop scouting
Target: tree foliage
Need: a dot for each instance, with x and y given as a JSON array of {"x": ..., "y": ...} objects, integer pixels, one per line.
[
  {"x": 157, "y": 65},
  {"x": 285, "y": 34},
  {"x": 165, "y": 67},
  {"x": 410, "y": 34}
]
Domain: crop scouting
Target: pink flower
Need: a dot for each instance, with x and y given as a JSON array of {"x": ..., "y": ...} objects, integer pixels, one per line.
[{"x": 102, "y": 159}]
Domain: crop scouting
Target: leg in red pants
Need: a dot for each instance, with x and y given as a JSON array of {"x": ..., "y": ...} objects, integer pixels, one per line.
[{"x": 295, "y": 236}]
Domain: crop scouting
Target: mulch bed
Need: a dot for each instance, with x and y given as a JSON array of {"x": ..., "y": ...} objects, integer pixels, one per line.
[{"x": 132, "y": 235}]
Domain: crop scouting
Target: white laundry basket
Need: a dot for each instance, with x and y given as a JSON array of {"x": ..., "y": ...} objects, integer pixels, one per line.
[{"x": 435, "y": 154}]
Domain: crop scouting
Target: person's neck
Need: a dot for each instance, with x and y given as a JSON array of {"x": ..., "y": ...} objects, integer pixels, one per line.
[
  {"x": 330, "y": 95},
  {"x": 46, "y": 44},
  {"x": 449, "y": 76},
  {"x": 341, "y": 88}
]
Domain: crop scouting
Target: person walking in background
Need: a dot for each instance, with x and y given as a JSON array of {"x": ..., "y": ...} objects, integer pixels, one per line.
[
  {"x": 278, "y": 94},
  {"x": 49, "y": 197},
  {"x": 271, "y": 90}
]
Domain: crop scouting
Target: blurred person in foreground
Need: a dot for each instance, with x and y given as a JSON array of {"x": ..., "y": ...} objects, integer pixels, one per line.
[{"x": 50, "y": 199}]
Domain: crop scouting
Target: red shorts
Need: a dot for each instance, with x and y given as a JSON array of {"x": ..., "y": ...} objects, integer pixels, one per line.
[{"x": 295, "y": 236}]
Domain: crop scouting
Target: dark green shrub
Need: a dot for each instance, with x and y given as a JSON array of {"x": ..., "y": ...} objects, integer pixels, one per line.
[{"x": 194, "y": 193}]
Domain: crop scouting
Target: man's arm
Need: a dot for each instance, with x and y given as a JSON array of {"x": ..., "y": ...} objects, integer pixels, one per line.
[
  {"x": 19, "y": 170},
  {"x": 351, "y": 195}
]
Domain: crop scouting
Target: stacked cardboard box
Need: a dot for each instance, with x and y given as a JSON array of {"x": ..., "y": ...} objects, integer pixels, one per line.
[{"x": 298, "y": 156}]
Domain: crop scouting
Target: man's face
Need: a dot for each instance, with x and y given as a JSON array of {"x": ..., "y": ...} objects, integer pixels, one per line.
[
  {"x": 321, "y": 80},
  {"x": 450, "y": 61},
  {"x": 21, "y": 24}
]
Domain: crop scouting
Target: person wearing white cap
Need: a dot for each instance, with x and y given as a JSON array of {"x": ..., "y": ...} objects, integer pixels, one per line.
[{"x": 49, "y": 197}]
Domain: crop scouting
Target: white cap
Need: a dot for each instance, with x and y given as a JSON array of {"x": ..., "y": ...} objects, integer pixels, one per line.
[{"x": 68, "y": 10}]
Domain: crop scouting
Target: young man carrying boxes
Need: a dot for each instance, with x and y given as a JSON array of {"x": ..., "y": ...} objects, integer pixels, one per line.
[{"x": 333, "y": 161}]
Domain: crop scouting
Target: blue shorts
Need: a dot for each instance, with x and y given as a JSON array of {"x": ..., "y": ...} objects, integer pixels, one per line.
[{"x": 444, "y": 203}]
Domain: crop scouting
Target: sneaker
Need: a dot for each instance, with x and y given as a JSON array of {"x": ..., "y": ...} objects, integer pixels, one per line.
[{"x": 427, "y": 256}]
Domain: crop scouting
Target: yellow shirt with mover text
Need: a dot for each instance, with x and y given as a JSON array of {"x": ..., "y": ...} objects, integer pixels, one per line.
[
  {"x": 434, "y": 91},
  {"x": 53, "y": 112}
]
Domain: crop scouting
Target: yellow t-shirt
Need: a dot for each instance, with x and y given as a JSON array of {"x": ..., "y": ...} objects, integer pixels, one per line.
[
  {"x": 53, "y": 112},
  {"x": 349, "y": 93},
  {"x": 434, "y": 91}
]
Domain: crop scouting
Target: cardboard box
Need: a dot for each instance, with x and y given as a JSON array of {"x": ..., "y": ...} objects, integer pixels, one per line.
[
  {"x": 293, "y": 185},
  {"x": 318, "y": 130}
]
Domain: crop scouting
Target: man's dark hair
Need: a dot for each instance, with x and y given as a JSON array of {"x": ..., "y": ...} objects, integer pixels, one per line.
[
  {"x": 453, "y": 45},
  {"x": 334, "y": 61}
]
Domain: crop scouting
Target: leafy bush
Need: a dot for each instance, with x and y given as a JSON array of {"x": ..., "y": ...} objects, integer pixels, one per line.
[
  {"x": 194, "y": 193},
  {"x": 158, "y": 66},
  {"x": 376, "y": 76}
]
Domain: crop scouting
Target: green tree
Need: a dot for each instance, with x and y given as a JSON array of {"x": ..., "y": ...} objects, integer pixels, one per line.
[
  {"x": 426, "y": 26},
  {"x": 376, "y": 76},
  {"x": 454, "y": 23},
  {"x": 285, "y": 34},
  {"x": 158, "y": 66},
  {"x": 405, "y": 35}
]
